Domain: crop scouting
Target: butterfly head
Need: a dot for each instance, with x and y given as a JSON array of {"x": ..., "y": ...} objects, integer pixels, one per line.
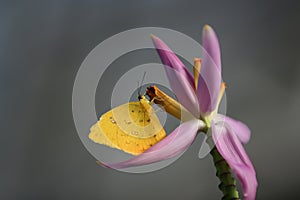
[{"x": 140, "y": 96}]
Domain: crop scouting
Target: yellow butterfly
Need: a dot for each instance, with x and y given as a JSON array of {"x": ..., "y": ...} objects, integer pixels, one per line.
[{"x": 132, "y": 127}]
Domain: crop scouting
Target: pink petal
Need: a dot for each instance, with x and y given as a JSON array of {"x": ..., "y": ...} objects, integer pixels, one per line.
[
  {"x": 174, "y": 144},
  {"x": 169, "y": 58},
  {"x": 237, "y": 127},
  {"x": 210, "y": 75},
  {"x": 230, "y": 147},
  {"x": 211, "y": 45},
  {"x": 181, "y": 81}
]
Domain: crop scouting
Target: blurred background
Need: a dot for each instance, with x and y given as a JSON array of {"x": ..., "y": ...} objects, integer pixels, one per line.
[{"x": 42, "y": 45}]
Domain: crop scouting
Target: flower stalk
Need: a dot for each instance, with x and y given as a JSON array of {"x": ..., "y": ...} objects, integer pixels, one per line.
[{"x": 224, "y": 173}]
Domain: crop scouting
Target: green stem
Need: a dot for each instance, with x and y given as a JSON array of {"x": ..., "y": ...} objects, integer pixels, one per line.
[{"x": 224, "y": 173}]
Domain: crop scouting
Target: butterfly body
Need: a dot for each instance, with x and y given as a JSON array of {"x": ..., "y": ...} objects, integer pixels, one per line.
[{"x": 132, "y": 127}]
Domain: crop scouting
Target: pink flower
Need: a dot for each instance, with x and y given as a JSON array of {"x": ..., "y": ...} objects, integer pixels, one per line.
[{"x": 201, "y": 95}]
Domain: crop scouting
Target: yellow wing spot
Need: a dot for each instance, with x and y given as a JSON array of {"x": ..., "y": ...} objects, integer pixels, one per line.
[{"x": 132, "y": 127}]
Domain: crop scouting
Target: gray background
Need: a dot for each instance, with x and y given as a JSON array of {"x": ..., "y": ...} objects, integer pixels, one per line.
[{"x": 42, "y": 44}]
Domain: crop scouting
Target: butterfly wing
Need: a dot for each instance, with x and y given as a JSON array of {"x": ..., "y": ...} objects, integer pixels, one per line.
[{"x": 132, "y": 127}]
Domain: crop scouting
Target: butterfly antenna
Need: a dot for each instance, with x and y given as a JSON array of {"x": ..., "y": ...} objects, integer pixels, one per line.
[
  {"x": 139, "y": 86},
  {"x": 143, "y": 78},
  {"x": 139, "y": 90},
  {"x": 144, "y": 75}
]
